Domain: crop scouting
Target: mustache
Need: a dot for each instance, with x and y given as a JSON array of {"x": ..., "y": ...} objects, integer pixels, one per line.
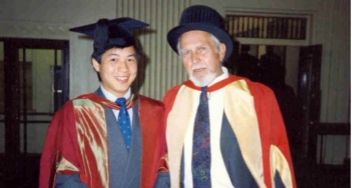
[{"x": 194, "y": 67}]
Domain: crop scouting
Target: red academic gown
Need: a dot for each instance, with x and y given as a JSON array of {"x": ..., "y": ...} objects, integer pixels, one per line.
[
  {"x": 63, "y": 154},
  {"x": 271, "y": 141}
]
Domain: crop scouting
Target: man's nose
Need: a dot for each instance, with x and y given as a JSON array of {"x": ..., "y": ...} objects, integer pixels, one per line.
[
  {"x": 122, "y": 67},
  {"x": 195, "y": 58}
]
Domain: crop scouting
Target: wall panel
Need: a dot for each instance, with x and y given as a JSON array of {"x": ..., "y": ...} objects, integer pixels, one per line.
[{"x": 163, "y": 68}]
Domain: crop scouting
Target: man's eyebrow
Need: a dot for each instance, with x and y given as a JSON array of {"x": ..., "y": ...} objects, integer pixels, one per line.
[
  {"x": 113, "y": 54},
  {"x": 132, "y": 55}
]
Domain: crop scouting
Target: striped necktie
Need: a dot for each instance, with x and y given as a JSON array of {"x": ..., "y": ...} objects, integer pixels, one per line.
[
  {"x": 201, "y": 157},
  {"x": 124, "y": 122}
]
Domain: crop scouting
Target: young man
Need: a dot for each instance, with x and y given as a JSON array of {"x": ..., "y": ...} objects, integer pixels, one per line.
[
  {"x": 222, "y": 130},
  {"x": 112, "y": 137}
]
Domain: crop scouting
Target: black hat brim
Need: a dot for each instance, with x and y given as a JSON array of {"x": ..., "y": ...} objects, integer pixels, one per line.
[{"x": 175, "y": 33}]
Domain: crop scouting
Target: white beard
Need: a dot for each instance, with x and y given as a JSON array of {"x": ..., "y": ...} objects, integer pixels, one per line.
[{"x": 203, "y": 81}]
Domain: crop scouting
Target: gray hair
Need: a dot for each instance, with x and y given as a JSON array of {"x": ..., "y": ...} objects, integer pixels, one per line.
[{"x": 212, "y": 37}]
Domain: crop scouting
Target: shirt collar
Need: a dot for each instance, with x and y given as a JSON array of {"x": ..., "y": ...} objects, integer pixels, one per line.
[
  {"x": 112, "y": 97},
  {"x": 223, "y": 76}
]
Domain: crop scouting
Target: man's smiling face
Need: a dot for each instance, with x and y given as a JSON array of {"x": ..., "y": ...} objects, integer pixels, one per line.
[{"x": 117, "y": 70}]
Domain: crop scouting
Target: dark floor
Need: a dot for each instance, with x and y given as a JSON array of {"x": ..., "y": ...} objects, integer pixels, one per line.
[
  {"x": 308, "y": 174},
  {"x": 27, "y": 175}
]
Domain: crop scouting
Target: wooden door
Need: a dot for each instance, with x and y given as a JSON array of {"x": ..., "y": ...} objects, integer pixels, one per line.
[
  {"x": 29, "y": 88},
  {"x": 309, "y": 94}
]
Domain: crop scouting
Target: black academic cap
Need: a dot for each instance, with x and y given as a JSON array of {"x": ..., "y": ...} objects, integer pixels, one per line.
[{"x": 110, "y": 33}]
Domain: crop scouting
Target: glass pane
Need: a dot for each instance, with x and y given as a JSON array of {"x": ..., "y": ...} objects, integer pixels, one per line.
[
  {"x": 36, "y": 132},
  {"x": 37, "y": 81},
  {"x": 2, "y": 124}
]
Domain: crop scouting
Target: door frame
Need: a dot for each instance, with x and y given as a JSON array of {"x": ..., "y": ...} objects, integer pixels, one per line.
[{"x": 15, "y": 170}]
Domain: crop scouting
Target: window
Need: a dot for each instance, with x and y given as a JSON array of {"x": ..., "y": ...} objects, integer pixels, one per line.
[{"x": 267, "y": 27}]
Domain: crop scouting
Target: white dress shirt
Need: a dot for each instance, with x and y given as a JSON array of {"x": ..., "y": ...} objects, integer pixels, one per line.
[
  {"x": 219, "y": 175},
  {"x": 112, "y": 98}
]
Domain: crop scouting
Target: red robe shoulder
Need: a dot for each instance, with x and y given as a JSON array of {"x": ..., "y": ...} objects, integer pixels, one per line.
[{"x": 61, "y": 140}]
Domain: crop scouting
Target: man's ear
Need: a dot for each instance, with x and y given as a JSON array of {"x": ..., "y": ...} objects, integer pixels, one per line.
[
  {"x": 222, "y": 51},
  {"x": 96, "y": 65}
]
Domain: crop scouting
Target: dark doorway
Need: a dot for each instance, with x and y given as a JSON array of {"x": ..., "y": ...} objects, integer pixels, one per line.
[
  {"x": 278, "y": 68},
  {"x": 293, "y": 73},
  {"x": 310, "y": 94},
  {"x": 34, "y": 83}
]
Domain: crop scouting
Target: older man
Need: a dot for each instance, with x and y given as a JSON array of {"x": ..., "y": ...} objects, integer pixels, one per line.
[{"x": 222, "y": 130}]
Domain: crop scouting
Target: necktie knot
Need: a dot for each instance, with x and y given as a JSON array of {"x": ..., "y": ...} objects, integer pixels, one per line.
[
  {"x": 121, "y": 102},
  {"x": 203, "y": 95}
]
